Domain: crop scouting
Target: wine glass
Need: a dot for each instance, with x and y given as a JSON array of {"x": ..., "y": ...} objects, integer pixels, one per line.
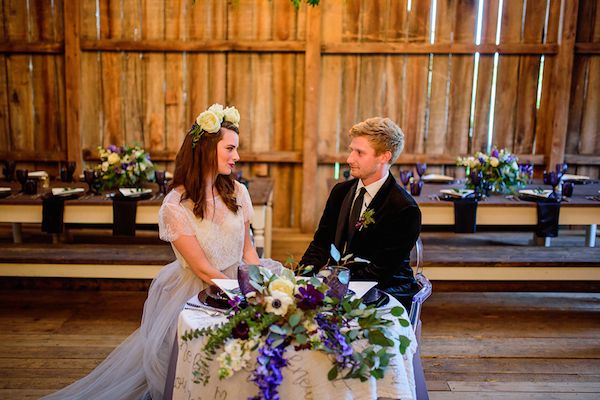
[
  {"x": 89, "y": 176},
  {"x": 567, "y": 188},
  {"x": 416, "y": 187},
  {"x": 476, "y": 178},
  {"x": 9, "y": 170},
  {"x": 561, "y": 169},
  {"x": 546, "y": 178},
  {"x": 161, "y": 180},
  {"x": 22, "y": 176},
  {"x": 337, "y": 278},
  {"x": 421, "y": 168},
  {"x": 553, "y": 180},
  {"x": 405, "y": 176},
  {"x": 243, "y": 278}
]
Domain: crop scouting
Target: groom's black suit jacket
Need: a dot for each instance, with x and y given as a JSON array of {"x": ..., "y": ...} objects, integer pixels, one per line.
[{"x": 386, "y": 242}]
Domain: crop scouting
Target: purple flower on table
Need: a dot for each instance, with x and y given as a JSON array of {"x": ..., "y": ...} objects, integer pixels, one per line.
[
  {"x": 241, "y": 331},
  {"x": 267, "y": 374},
  {"x": 113, "y": 148},
  {"x": 309, "y": 298},
  {"x": 494, "y": 153},
  {"x": 334, "y": 340}
]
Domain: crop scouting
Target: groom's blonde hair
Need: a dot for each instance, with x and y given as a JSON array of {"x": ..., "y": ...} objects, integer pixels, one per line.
[{"x": 382, "y": 133}]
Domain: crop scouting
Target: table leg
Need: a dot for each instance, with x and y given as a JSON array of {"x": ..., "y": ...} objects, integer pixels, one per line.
[
  {"x": 17, "y": 230},
  {"x": 590, "y": 235},
  {"x": 542, "y": 241}
]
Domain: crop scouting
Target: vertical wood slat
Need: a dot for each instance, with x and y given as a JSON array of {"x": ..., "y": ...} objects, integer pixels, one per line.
[
  {"x": 154, "y": 77},
  {"x": 561, "y": 83},
  {"x": 461, "y": 82},
  {"x": 416, "y": 68},
  {"x": 311, "y": 116},
  {"x": 507, "y": 79},
  {"x": 589, "y": 141},
  {"x": 484, "y": 79},
  {"x": 72, "y": 72},
  {"x": 529, "y": 67}
]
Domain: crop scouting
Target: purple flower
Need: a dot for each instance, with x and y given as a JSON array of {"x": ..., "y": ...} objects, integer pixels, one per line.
[
  {"x": 495, "y": 153},
  {"x": 241, "y": 331},
  {"x": 481, "y": 160},
  {"x": 309, "y": 298},
  {"x": 113, "y": 148},
  {"x": 267, "y": 374},
  {"x": 335, "y": 342}
]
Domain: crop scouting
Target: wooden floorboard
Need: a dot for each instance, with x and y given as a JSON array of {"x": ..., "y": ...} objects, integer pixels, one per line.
[{"x": 474, "y": 345}]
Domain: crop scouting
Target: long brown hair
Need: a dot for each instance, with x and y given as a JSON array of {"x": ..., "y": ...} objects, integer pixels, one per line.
[{"x": 194, "y": 165}]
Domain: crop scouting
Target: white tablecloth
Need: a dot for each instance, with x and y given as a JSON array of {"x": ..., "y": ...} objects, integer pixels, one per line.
[{"x": 304, "y": 378}]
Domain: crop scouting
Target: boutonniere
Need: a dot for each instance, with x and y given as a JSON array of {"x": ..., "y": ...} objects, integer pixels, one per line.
[{"x": 365, "y": 219}]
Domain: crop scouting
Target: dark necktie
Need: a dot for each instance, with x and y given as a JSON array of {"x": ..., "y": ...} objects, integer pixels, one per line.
[{"x": 355, "y": 212}]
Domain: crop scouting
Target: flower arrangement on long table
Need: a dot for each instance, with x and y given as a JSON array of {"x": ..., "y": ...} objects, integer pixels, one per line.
[{"x": 284, "y": 310}]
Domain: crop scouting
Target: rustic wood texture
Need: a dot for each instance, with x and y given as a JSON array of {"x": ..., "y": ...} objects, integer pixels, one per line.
[
  {"x": 142, "y": 70},
  {"x": 473, "y": 345}
]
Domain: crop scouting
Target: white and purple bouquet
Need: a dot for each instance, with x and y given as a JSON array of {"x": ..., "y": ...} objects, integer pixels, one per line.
[
  {"x": 127, "y": 166},
  {"x": 282, "y": 312}
]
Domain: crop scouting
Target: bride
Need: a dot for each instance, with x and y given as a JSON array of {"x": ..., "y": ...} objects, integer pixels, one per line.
[{"x": 206, "y": 218}]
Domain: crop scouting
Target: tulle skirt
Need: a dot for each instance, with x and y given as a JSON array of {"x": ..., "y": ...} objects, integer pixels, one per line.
[{"x": 137, "y": 368}]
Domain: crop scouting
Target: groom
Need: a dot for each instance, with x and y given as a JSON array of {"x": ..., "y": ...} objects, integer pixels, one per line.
[{"x": 371, "y": 216}]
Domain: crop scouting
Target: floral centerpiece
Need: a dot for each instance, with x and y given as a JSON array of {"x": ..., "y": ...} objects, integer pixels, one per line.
[
  {"x": 498, "y": 170},
  {"x": 284, "y": 310},
  {"x": 124, "y": 166}
]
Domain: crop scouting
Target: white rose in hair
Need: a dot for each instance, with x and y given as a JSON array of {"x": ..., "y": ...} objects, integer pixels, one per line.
[
  {"x": 217, "y": 109},
  {"x": 232, "y": 115},
  {"x": 209, "y": 121}
]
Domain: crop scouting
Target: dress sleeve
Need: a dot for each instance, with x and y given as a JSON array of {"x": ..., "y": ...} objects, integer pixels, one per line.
[
  {"x": 173, "y": 223},
  {"x": 243, "y": 198}
]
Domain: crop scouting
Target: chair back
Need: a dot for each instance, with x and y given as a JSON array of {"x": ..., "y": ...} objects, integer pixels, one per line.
[{"x": 423, "y": 294}]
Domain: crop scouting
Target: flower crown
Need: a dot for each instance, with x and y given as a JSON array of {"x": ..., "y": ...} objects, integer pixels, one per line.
[{"x": 210, "y": 121}]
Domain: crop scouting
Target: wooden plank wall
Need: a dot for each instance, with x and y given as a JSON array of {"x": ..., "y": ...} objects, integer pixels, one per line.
[{"x": 148, "y": 67}]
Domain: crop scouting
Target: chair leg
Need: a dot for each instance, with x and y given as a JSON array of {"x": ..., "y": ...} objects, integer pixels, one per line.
[{"x": 421, "y": 385}]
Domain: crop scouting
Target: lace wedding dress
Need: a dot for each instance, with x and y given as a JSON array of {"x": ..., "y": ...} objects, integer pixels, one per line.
[{"x": 137, "y": 368}]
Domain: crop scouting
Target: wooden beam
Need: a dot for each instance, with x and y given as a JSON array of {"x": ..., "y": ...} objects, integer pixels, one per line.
[
  {"x": 34, "y": 156},
  {"x": 582, "y": 159},
  {"x": 72, "y": 22},
  {"x": 312, "y": 77},
  {"x": 438, "y": 48},
  {"x": 561, "y": 83},
  {"x": 431, "y": 159},
  {"x": 166, "y": 46},
  {"x": 587, "y": 48},
  {"x": 276, "y": 157},
  {"x": 31, "y": 47}
]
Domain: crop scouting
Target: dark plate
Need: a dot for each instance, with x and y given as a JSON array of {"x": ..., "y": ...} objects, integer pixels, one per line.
[
  {"x": 375, "y": 297},
  {"x": 214, "y": 297}
]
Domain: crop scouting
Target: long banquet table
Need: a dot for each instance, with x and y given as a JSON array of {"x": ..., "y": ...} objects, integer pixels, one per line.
[
  {"x": 510, "y": 210},
  {"x": 304, "y": 378},
  {"x": 89, "y": 209}
]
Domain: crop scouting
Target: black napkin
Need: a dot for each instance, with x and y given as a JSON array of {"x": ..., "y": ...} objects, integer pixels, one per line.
[
  {"x": 548, "y": 211},
  {"x": 124, "y": 213},
  {"x": 53, "y": 211},
  {"x": 465, "y": 213}
]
